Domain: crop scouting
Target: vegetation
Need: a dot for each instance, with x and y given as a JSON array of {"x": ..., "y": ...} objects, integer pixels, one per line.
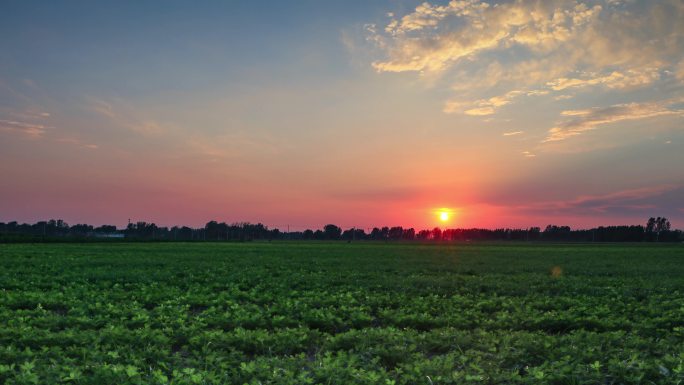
[
  {"x": 656, "y": 230},
  {"x": 341, "y": 313}
]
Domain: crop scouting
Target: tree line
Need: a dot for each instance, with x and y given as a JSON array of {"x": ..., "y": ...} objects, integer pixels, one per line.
[{"x": 656, "y": 230}]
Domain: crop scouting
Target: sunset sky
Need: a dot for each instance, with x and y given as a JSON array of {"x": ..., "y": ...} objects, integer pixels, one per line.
[{"x": 358, "y": 113}]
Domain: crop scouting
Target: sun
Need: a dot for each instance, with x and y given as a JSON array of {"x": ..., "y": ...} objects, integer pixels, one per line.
[{"x": 443, "y": 216}]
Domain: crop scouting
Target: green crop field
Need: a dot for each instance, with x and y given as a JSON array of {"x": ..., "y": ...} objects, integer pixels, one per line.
[{"x": 340, "y": 313}]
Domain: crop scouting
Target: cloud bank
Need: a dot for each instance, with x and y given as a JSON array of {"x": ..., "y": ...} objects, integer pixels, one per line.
[
  {"x": 592, "y": 118},
  {"x": 495, "y": 54},
  {"x": 643, "y": 199}
]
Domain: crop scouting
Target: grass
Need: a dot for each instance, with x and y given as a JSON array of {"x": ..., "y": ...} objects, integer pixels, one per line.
[{"x": 340, "y": 313}]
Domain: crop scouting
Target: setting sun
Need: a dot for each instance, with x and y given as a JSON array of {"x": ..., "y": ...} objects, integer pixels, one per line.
[{"x": 443, "y": 216}]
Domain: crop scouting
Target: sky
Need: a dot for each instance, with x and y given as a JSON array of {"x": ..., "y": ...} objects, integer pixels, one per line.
[{"x": 357, "y": 113}]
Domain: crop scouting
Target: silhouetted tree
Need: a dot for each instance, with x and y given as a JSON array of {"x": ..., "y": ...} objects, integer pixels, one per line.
[
  {"x": 533, "y": 233},
  {"x": 142, "y": 230},
  {"x": 656, "y": 229},
  {"x": 332, "y": 232},
  {"x": 662, "y": 224},
  {"x": 81, "y": 230},
  {"x": 105, "y": 229},
  {"x": 395, "y": 233},
  {"x": 354, "y": 234},
  {"x": 557, "y": 233},
  {"x": 656, "y": 226}
]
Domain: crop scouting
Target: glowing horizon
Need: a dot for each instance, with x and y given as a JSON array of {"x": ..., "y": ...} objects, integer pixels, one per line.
[{"x": 512, "y": 113}]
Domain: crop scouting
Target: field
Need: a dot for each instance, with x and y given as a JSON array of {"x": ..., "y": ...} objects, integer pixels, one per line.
[{"x": 340, "y": 313}]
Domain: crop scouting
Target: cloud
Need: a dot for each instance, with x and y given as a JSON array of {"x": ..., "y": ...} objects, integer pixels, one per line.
[
  {"x": 32, "y": 130},
  {"x": 616, "y": 79},
  {"x": 619, "y": 197},
  {"x": 480, "y": 111},
  {"x": 512, "y": 133},
  {"x": 25, "y": 115},
  {"x": 124, "y": 115},
  {"x": 37, "y": 130},
  {"x": 544, "y": 47},
  {"x": 78, "y": 143},
  {"x": 160, "y": 131},
  {"x": 528, "y": 154},
  {"x": 639, "y": 199},
  {"x": 102, "y": 107},
  {"x": 424, "y": 16},
  {"x": 590, "y": 119},
  {"x": 433, "y": 38},
  {"x": 148, "y": 127},
  {"x": 487, "y": 106},
  {"x": 563, "y": 97}
]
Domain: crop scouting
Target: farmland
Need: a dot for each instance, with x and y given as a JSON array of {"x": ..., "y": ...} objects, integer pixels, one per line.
[{"x": 341, "y": 313}]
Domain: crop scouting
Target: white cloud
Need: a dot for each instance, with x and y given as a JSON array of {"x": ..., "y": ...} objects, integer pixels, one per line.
[
  {"x": 512, "y": 133},
  {"x": 616, "y": 79},
  {"x": 38, "y": 130},
  {"x": 575, "y": 112},
  {"x": 590, "y": 119},
  {"x": 544, "y": 47},
  {"x": 433, "y": 38},
  {"x": 487, "y": 106},
  {"x": 480, "y": 111},
  {"x": 563, "y": 97},
  {"x": 32, "y": 130},
  {"x": 426, "y": 15}
]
